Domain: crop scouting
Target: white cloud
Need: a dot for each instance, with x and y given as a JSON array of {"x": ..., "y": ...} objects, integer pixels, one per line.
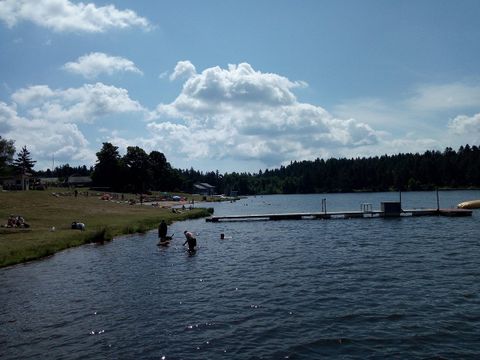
[
  {"x": 33, "y": 94},
  {"x": 64, "y": 15},
  {"x": 7, "y": 115},
  {"x": 43, "y": 138},
  {"x": 466, "y": 126},
  {"x": 241, "y": 113},
  {"x": 183, "y": 68},
  {"x": 49, "y": 122},
  {"x": 426, "y": 111},
  {"x": 83, "y": 104},
  {"x": 420, "y": 122},
  {"x": 94, "y": 64},
  {"x": 239, "y": 84},
  {"x": 444, "y": 97},
  {"x": 230, "y": 116}
]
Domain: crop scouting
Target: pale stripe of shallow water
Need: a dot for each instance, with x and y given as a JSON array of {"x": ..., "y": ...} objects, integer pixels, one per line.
[{"x": 359, "y": 288}]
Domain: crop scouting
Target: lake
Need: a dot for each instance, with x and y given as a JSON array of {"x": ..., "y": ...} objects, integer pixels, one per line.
[{"x": 300, "y": 289}]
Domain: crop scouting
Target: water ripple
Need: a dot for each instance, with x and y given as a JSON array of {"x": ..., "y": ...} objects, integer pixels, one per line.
[{"x": 356, "y": 289}]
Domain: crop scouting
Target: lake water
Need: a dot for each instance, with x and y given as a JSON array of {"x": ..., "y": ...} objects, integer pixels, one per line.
[{"x": 359, "y": 288}]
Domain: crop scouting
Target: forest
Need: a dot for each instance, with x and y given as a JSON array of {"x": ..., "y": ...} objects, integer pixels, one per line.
[
  {"x": 427, "y": 171},
  {"x": 138, "y": 171}
]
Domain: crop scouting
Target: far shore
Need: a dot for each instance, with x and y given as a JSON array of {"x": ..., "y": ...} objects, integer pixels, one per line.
[{"x": 50, "y": 214}]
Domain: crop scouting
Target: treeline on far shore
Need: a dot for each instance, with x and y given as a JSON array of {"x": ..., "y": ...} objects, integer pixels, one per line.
[
  {"x": 427, "y": 171},
  {"x": 138, "y": 171}
]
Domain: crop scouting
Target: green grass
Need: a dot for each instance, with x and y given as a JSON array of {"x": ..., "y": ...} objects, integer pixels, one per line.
[{"x": 103, "y": 219}]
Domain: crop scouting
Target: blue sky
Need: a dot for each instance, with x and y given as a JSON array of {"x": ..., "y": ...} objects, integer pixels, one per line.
[{"x": 238, "y": 86}]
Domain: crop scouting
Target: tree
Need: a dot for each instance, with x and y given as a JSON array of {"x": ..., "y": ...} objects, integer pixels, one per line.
[
  {"x": 107, "y": 172},
  {"x": 24, "y": 162},
  {"x": 161, "y": 171},
  {"x": 7, "y": 150},
  {"x": 64, "y": 171},
  {"x": 137, "y": 166}
]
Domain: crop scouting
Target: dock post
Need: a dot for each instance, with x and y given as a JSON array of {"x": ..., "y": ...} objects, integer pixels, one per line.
[
  {"x": 324, "y": 205},
  {"x": 438, "y": 201}
]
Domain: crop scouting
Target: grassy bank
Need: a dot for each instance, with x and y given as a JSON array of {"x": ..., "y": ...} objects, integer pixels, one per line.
[{"x": 43, "y": 211}]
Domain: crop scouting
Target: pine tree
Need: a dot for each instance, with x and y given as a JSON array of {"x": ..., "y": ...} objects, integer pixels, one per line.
[{"x": 24, "y": 162}]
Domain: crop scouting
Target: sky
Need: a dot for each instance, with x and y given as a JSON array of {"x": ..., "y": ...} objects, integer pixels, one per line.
[{"x": 238, "y": 85}]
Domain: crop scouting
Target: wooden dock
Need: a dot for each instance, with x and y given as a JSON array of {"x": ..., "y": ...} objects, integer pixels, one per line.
[{"x": 343, "y": 215}]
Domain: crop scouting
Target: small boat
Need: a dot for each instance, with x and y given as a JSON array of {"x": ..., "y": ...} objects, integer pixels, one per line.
[{"x": 472, "y": 204}]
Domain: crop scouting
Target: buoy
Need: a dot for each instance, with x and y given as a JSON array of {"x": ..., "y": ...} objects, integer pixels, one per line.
[{"x": 473, "y": 204}]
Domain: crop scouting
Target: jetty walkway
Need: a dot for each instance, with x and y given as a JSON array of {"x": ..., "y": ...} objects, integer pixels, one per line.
[{"x": 344, "y": 215}]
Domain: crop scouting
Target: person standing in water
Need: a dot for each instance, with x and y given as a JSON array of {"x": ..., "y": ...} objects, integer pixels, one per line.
[
  {"x": 191, "y": 240},
  {"x": 162, "y": 231}
]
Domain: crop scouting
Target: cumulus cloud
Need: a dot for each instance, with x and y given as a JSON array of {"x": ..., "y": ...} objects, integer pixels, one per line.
[
  {"x": 33, "y": 94},
  {"x": 466, "y": 125},
  {"x": 94, "y": 64},
  {"x": 44, "y": 139},
  {"x": 183, "y": 68},
  {"x": 83, "y": 104},
  {"x": 51, "y": 120},
  {"x": 64, "y": 15},
  {"x": 241, "y": 113},
  {"x": 230, "y": 116},
  {"x": 239, "y": 84}
]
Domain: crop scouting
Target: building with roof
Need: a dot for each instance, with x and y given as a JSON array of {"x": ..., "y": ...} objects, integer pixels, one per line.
[
  {"x": 49, "y": 181},
  {"x": 204, "y": 189},
  {"x": 20, "y": 181},
  {"x": 78, "y": 181}
]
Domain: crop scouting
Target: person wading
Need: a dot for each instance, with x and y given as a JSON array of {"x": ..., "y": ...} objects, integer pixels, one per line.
[
  {"x": 191, "y": 240},
  {"x": 162, "y": 231}
]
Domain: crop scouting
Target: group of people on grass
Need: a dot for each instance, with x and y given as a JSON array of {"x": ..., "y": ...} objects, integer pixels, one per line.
[
  {"x": 16, "y": 221},
  {"x": 165, "y": 240}
]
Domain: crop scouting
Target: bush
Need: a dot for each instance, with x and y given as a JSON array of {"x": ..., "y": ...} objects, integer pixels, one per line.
[{"x": 101, "y": 235}]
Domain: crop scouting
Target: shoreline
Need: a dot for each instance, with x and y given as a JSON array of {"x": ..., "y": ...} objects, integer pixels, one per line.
[
  {"x": 97, "y": 239},
  {"x": 50, "y": 218}
]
